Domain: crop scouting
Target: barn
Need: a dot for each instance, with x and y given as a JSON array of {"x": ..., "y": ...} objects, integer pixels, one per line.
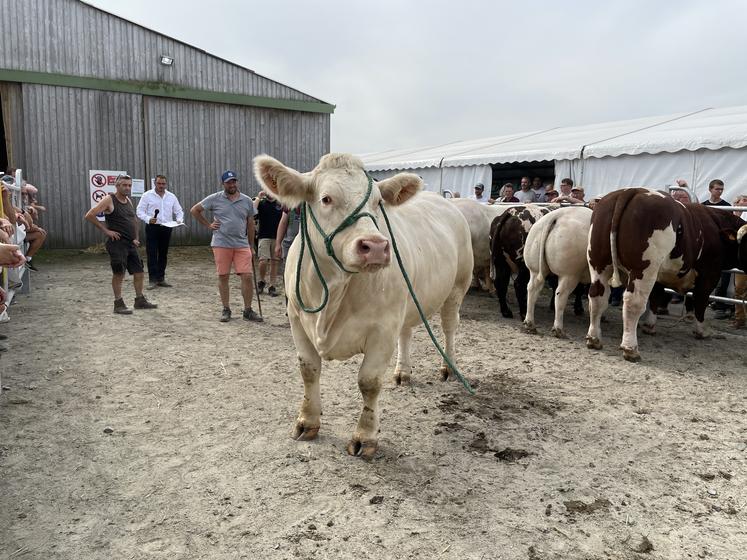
[
  {"x": 652, "y": 151},
  {"x": 82, "y": 89}
]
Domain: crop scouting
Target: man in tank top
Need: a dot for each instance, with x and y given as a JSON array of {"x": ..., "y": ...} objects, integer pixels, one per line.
[{"x": 121, "y": 228}]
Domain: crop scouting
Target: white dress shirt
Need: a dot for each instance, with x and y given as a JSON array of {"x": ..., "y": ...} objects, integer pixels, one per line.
[{"x": 167, "y": 205}]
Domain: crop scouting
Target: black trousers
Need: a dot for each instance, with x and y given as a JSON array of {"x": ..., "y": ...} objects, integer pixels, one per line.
[{"x": 157, "y": 238}]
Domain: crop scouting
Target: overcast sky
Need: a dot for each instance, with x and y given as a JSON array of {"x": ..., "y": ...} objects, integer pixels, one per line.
[{"x": 416, "y": 73}]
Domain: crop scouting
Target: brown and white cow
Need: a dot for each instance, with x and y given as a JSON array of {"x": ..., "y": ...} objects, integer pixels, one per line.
[
  {"x": 369, "y": 310},
  {"x": 647, "y": 237},
  {"x": 508, "y": 234},
  {"x": 556, "y": 244}
]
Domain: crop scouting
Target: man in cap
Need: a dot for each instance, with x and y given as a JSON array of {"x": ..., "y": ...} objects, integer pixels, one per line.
[
  {"x": 479, "y": 195},
  {"x": 233, "y": 234}
]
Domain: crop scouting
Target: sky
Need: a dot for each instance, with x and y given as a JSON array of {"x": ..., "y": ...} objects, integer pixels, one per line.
[{"x": 407, "y": 73}]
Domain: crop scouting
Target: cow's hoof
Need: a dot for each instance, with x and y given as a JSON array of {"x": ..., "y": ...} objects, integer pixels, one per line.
[
  {"x": 593, "y": 343},
  {"x": 363, "y": 449},
  {"x": 558, "y": 333},
  {"x": 521, "y": 317},
  {"x": 301, "y": 432},
  {"x": 507, "y": 314},
  {"x": 631, "y": 355},
  {"x": 402, "y": 377},
  {"x": 445, "y": 373},
  {"x": 530, "y": 328},
  {"x": 578, "y": 311},
  {"x": 648, "y": 329}
]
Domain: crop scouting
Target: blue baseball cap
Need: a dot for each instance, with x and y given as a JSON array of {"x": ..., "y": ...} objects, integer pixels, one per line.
[{"x": 227, "y": 176}]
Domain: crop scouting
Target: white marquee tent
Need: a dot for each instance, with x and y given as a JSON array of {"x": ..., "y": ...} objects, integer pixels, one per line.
[{"x": 653, "y": 152}]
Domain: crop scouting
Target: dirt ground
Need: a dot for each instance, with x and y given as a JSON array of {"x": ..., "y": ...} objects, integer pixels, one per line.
[{"x": 165, "y": 434}]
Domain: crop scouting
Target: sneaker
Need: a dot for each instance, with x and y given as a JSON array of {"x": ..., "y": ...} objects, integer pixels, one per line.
[
  {"x": 31, "y": 266},
  {"x": 225, "y": 315},
  {"x": 152, "y": 286},
  {"x": 250, "y": 315},
  {"x": 271, "y": 291},
  {"x": 164, "y": 284},
  {"x": 261, "y": 286},
  {"x": 142, "y": 303},
  {"x": 120, "y": 308}
]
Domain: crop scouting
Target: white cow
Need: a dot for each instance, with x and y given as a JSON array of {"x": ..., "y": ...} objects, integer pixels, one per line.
[
  {"x": 479, "y": 217},
  {"x": 556, "y": 244},
  {"x": 369, "y": 309}
]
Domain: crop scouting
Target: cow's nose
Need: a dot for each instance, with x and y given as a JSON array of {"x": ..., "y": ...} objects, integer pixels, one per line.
[{"x": 374, "y": 251}]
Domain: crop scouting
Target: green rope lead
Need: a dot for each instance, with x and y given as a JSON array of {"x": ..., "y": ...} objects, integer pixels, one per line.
[{"x": 446, "y": 358}]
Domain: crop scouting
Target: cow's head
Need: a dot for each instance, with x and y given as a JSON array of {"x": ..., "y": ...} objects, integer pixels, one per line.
[{"x": 336, "y": 192}]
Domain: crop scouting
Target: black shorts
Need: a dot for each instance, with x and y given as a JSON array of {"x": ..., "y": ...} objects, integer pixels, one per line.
[{"x": 123, "y": 256}]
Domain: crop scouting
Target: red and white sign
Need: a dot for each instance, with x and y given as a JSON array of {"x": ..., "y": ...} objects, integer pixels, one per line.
[{"x": 100, "y": 184}]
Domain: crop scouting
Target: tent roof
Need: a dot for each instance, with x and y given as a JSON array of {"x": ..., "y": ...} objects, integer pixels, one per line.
[{"x": 707, "y": 128}]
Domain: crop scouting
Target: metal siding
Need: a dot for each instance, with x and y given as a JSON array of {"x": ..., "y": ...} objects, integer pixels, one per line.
[
  {"x": 192, "y": 143},
  {"x": 47, "y": 44},
  {"x": 72, "y": 131}
]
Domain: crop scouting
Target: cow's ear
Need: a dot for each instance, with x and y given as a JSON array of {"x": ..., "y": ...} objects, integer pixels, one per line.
[
  {"x": 285, "y": 184},
  {"x": 400, "y": 188}
]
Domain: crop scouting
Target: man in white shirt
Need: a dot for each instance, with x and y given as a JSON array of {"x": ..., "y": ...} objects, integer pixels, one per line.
[
  {"x": 157, "y": 207},
  {"x": 525, "y": 194},
  {"x": 479, "y": 195}
]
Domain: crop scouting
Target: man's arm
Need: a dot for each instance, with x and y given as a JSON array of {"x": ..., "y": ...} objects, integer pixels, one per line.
[
  {"x": 250, "y": 230},
  {"x": 142, "y": 208},
  {"x": 136, "y": 241},
  {"x": 197, "y": 212},
  {"x": 178, "y": 210},
  {"x": 280, "y": 235},
  {"x": 105, "y": 206}
]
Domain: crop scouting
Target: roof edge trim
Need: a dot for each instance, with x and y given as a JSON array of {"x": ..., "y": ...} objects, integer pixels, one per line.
[{"x": 161, "y": 89}]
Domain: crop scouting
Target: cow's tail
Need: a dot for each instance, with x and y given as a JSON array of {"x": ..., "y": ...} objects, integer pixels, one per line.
[
  {"x": 543, "y": 242},
  {"x": 620, "y": 205}
]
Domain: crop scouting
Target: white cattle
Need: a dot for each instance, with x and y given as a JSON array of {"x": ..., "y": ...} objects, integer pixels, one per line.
[
  {"x": 556, "y": 244},
  {"x": 369, "y": 310},
  {"x": 479, "y": 217}
]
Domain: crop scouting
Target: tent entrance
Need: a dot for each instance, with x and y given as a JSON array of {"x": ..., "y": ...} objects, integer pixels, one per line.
[{"x": 513, "y": 172}]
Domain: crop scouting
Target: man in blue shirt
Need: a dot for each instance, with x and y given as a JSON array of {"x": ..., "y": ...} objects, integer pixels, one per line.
[{"x": 233, "y": 230}]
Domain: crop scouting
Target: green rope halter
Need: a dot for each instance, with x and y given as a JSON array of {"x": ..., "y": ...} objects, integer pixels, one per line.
[{"x": 353, "y": 217}]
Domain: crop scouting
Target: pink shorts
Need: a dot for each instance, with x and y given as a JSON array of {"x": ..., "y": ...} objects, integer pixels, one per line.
[{"x": 241, "y": 259}]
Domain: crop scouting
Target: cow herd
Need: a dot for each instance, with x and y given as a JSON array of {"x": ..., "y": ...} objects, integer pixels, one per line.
[{"x": 346, "y": 297}]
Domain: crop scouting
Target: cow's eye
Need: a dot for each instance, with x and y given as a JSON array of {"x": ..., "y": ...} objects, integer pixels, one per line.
[{"x": 326, "y": 200}]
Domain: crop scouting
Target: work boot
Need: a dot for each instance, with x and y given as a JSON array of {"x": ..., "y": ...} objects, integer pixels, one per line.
[
  {"x": 142, "y": 303},
  {"x": 271, "y": 291},
  {"x": 120, "y": 307},
  {"x": 250, "y": 315},
  {"x": 225, "y": 316},
  {"x": 261, "y": 286}
]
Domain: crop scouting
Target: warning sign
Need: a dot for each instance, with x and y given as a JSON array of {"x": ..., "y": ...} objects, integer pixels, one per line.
[{"x": 101, "y": 183}]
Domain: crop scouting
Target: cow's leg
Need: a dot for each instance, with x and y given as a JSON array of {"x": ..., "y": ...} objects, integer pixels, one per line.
[
  {"x": 502, "y": 278},
  {"x": 449, "y": 324},
  {"x": 565, "y": 285},
  {"x": 700, "y": 303},
  {"x": 520, "y": 288},
  {"x": 310, "y": 364},
  {"x": 598, "y": 303},
  {"x": 403, "y": 369},
  {"x": 648, "y": 320},
  {"x": 365, "y": 439},
  {"x": 634, "y": 304},
  {"x": 534, "y": 287}
]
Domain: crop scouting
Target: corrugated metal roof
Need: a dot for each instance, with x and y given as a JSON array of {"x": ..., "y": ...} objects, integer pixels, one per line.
[{"x": 707, "y": 128}]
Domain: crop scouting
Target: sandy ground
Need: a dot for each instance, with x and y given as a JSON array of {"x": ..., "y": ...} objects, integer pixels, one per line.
[{"x": 563, "y": 453}]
